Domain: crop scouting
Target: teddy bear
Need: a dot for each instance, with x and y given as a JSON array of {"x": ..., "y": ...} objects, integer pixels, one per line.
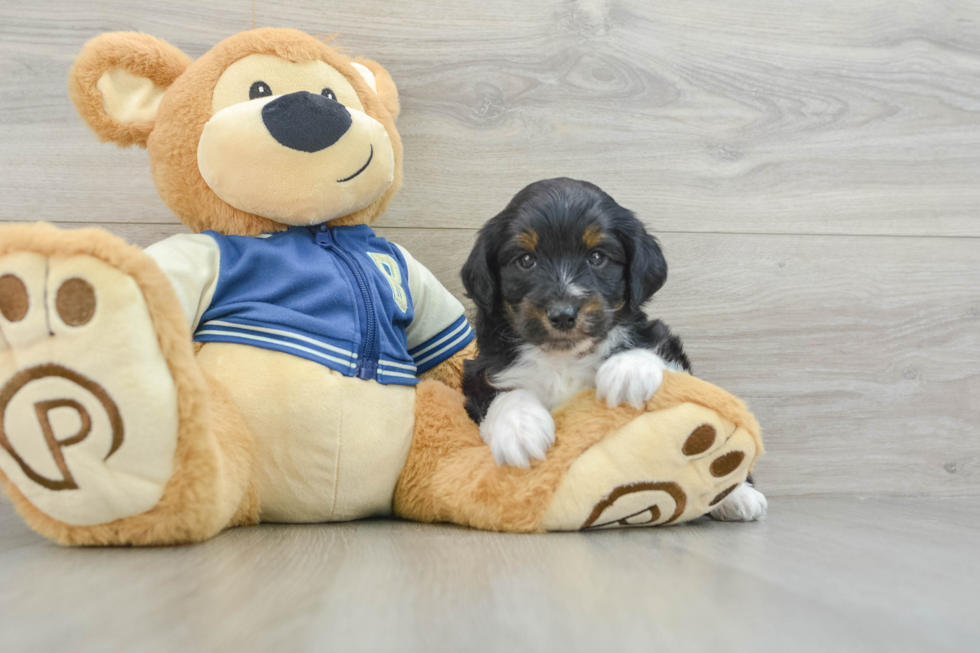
[{"x": 283, "y": 363}]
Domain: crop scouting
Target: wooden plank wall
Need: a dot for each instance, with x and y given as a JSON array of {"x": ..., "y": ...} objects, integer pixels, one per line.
[{"x": 812, "y": 168}]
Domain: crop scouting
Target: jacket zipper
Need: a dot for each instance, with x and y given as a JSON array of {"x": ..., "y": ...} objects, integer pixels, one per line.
[{"x": 367, "y": 357}]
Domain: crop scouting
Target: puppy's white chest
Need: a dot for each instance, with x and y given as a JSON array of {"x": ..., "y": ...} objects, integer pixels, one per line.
[{"x": 552, "y": 378}]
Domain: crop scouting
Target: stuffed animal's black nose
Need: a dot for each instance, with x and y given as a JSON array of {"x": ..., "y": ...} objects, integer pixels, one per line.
[
  {"x": 306, "y": 122},
  {"x": 562, "y": 316}
]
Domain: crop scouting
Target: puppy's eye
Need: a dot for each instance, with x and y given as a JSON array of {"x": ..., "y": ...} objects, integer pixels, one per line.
[
  {"x": 597, "y": 259},
  {"x": 259, "y": 89},
  {"x": 526, "y": 261},
  {"x": 329, "y": 94}
]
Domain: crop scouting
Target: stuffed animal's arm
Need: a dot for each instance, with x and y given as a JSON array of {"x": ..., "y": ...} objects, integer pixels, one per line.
[
  {"x": 439, "y": 337},
  {"x": 191, "y": 262}
]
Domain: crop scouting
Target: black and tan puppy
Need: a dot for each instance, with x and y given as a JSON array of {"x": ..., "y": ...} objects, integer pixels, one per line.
[{"x": 559, "y": 279}]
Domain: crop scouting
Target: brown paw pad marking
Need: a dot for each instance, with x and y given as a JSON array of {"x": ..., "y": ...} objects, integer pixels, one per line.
[
  {"x": 726, "y": 464},
  {"x": 14, "y": 300},
  {"x": 722, "y": 495},
  {"x": 42, "y": 411},
  {"x": 75, "y": 302},
  {"x": 700, "y": 440},
  {"x": 632, "y": 500},
  {"x": 703, "y": 438},
  {"x": 636, "y": 504}
]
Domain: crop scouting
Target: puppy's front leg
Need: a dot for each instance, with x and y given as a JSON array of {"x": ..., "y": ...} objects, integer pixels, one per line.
[
  {"x": 518, "y": 428},
  {"x": 631, "y": 377}
]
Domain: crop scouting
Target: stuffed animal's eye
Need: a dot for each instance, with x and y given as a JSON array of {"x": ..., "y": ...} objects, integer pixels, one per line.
[
  {"x": 259, "y": 89},
  {"x": 597, "y": 259},
  {"x": 526, "y": 261},
  {"x": 329, "y": 94}
]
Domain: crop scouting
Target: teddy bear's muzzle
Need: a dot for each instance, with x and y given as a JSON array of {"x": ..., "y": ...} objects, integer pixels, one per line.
[
  {"x": 306, "y": 122},
  {"x": 298, "y": 158}
]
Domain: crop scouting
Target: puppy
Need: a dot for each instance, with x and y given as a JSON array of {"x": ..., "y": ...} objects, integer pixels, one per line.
[{"x": 559, "y": 279}]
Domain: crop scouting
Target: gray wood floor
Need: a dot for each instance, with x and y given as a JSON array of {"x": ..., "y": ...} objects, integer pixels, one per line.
[
  {"x": 821, "y": 574},
  {"x": 813, "y": 170}
]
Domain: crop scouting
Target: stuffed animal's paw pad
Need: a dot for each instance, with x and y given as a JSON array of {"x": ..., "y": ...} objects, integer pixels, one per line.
[
  {"x": 23, "y": 314},
  {"x": 638, "y": 504},
  {"x": 703, "y": 441},
  {"x": 83, "y": 437}
]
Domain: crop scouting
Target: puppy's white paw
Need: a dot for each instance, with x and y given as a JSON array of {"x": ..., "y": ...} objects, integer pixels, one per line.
[
  {"x": 630, "y": 377},
  {"x": 518, "y": 428},
  {"x": 745, "y": 503}
]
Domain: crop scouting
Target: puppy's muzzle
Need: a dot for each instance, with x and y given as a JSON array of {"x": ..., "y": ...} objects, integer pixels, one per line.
[
  {"x": 306, "y": 122},
  {"x": 563, "y": 316}
]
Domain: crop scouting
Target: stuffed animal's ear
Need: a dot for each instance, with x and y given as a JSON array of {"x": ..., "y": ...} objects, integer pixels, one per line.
[
  {"x": 379, "y": 80},
  {"x": 646, "y": 267},
  {"x": 118, "y": 80},
  {"x": 478, "y": 275}
]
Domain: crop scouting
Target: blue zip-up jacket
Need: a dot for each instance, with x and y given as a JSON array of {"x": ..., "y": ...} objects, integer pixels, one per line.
[{"x": 338, "y": 296}]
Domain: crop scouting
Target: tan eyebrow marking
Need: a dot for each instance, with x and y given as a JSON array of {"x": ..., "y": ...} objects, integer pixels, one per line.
[
  {"x": 592, "y": 236},
  {"x": 528, "y": 239}
]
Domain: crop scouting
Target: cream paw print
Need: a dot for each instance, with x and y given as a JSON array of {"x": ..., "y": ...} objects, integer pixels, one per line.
[
  {"x": 88, "y": 407},
  {"x": 664, "y": 467}
]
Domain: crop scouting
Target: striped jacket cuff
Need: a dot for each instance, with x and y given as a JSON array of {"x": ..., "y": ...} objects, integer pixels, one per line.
[{"x": 442, "y": 345}]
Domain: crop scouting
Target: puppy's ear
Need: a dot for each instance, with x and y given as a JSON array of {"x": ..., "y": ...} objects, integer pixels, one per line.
[
  {"x": 479, "y": 278},
  {"x": 117, "y": 83},
  {"x": 646, "y": 267}
]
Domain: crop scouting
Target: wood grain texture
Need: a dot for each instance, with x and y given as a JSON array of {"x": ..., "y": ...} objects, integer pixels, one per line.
[
  {"x": 760, "y": 116},
  {"x": 821, "y": 574}
]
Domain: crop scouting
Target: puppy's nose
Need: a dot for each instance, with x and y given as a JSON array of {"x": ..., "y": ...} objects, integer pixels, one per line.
[
  {"x": 562, "y": 316},
  {"x": 306, "y": 122}
]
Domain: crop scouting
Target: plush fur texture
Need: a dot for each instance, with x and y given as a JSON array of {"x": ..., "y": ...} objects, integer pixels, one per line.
[
  {"x": 450, "y": 372},
  {"x": 172, "y": 139},
  {"x": 211, "y": 487},
  {"x": 386, "y": 90},
  {"x": 450, "y": 475},
  {"x": 213, "y": 458},
  {"x": 139, "y": 54}
]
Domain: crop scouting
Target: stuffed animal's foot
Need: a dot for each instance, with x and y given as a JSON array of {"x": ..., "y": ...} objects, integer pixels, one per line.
[
  {"x": 87, "y": 403},
  {"x": 109, "y": 431},
  {"x": 665, "y": 466},
  {"x": 744, "y": 503}
]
